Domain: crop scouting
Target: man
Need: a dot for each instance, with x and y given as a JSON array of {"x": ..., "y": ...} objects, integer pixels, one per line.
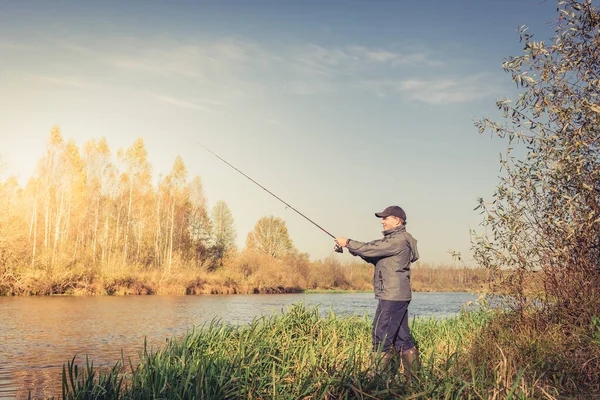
[{"x": 391, "y": 256}]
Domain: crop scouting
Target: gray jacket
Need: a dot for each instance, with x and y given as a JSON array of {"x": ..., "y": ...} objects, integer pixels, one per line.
[{"x": 392, "y": 256}]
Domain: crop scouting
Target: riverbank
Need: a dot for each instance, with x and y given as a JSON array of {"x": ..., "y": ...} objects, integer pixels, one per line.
[
  {"x": 242, "y": 275},
  {"x": 302, "y": 354}
]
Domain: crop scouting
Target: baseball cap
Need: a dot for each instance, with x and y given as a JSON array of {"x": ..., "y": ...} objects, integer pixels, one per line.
[{"x": 392, "y": 210}]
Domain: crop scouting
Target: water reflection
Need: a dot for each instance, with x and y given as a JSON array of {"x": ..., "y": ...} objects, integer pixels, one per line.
[{"x": 40, "y": 334}]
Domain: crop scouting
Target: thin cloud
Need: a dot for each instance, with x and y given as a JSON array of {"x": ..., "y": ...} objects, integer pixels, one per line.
[
  {"x": 155, "y": 66},
  {"x": 306, "y": 87},
  {"x": 351, "y": 60},
  {"x": 66, "y": 81},
  {"x": 436, "y": 91},
  {"x": 171, "y": 58},
  {"x": 164, "y": 59},
  {"x": 273, "y": 121},
  {"x": 14, "y": 46},
  {"x": 235, "y": 57},
  {"x": 450, "y": 90},
  {"x": 312, "y": 59},
  {"x": 232, "y": 68},
  {"x": 239, "y": 68},
  {"x": 393, "y": 58},
  {"x": 185, "y": 104}
]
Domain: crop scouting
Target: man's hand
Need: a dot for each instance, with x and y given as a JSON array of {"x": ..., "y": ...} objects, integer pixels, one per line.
[{"x": 341, "y": 241}]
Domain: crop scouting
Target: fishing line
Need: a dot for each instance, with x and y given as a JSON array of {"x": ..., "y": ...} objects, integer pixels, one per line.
[{"x": 337, "y": 248}]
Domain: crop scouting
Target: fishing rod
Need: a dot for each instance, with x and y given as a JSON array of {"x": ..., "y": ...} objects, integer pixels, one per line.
[{"x": 337, "y": 248}]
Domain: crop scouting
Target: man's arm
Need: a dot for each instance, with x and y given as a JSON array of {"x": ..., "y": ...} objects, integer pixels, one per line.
[
  {"x": 343, "y": 242},
  {"x": 370, "y": 260},
  {"x": 376, "y": 249}
]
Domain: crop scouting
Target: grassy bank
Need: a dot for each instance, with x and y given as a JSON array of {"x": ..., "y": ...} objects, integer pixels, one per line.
[
  {"x": 242, "y": 273},
  {"x": 304, "y": 355}
]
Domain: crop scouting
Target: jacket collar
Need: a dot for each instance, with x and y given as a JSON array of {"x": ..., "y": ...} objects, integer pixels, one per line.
[{"x": 401, "y": 228}]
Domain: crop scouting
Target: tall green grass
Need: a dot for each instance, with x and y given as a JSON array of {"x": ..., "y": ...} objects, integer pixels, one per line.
[{"x": 300, "y": 354}]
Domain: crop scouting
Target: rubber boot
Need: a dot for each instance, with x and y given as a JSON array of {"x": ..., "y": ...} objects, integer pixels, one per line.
[
  {"x": 410, "y": 362},
  {"x": 381, "y": 362}
]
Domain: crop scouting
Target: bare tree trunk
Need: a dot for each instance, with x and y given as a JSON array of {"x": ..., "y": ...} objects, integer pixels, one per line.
[
  {"x": 158, "y": 232},
  {"x": 139, "y": 241},
  {"x": 46, "y": 224},
  {"x": 180, "y": 240},
  {"x": 32, "y": 219},
  {"x": 57, "y": 228},
  {"x": 171, "y": 235},
  {"x": 94, "y": 240},
  {"x": 77, "y": 235},
  {"x": 34, "y": 226},
  {"x": 105, "y": 248},
  {"x": 65, "y": 232},
  {"x": 128, "y": 222},
  {"x": 118, "y": 228}
]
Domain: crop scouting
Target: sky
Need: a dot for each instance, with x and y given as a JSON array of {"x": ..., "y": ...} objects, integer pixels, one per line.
[{"x": 340, "y": 108}]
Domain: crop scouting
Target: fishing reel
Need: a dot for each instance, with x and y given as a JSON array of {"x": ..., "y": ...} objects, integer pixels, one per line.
[{"x": 338, "y": 249}]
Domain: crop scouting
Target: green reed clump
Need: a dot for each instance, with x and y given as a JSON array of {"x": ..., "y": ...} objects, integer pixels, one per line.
[
  {"x": 91, "y": 383},
  {"x": 299, "y": 354}
]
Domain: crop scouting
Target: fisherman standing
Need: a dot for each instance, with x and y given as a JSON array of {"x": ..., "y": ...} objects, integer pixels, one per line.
[{"x": 391, "y": 256}]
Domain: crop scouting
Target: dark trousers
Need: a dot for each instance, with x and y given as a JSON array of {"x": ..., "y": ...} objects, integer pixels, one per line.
[{"x": 390, "y": 327}]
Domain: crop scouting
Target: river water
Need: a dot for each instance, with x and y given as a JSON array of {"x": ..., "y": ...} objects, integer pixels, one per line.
[{"x": 40, "y": 334}]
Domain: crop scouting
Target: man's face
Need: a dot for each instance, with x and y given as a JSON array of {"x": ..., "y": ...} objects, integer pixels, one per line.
[{"x": 390, "y": 222}]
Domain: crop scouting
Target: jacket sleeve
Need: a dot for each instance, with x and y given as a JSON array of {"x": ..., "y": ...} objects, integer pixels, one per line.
[
  {"x": 376, "y": 249},
  {"x": 370, "y": 260}
]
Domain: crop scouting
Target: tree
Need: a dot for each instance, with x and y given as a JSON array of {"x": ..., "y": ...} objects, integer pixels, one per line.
[
  {"x": 136, "y": 186},
  {"x": 223, "y": 232},
  {"x": 100, "y": 174},
  {"x": 270, "y": 236},
  {"x": 76, "y": 198},
  {"x": 198, "y": 222},
  {"x": 177, "y": 200},
  {"x": 545, "y": 215},
  {"x": 13, "y": 227},
  {"x": 53, "y": 186}
]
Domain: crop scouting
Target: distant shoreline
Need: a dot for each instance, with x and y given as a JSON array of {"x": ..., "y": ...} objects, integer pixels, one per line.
[
  {"x": 134, "y": 291},
  {"x": 237, "y": 276}
]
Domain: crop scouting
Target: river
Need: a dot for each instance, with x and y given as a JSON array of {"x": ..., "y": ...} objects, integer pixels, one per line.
[{"x": 40, "y": 334}]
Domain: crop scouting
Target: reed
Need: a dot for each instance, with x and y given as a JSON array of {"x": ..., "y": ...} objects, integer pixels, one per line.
[{"x": 302, "y": 354}]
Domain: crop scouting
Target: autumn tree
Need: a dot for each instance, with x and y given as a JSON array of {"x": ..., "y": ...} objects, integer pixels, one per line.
[
  {"x": 101, "y": 172},
  {"x": 59, "y": 180},
  {"x": 13, "y": 227},
  {"x": 223, "y": 232},
  {"x": 32, "y": 203},
  {"x": 544, "y": 219},
  {"x": 136, "y": 186},
  {"x": 59, "y": 191},
  {"x": 176, "y": 201},
  {"x": 198, "y": 223},
  {"x": 51, "y": 193},
  {"x": 270, "y": 236},
  {"x": 76, "y": 199}
]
